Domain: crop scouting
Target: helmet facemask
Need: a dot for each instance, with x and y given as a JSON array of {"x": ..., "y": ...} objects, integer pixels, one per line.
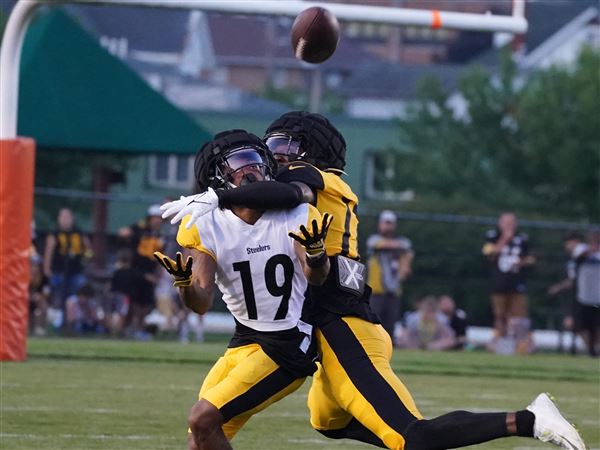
[
  {"x": 285, "y": 147},
  {"x": 321, "y": 144},
  {"x": 246, "y": 164}
]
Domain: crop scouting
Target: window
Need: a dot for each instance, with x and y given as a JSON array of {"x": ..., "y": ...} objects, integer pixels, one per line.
[
  {"x": 171, "y": 171},
  {"x": 381, "y": 180}
]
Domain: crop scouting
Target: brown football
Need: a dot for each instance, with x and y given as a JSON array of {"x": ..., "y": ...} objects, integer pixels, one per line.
[{"x": 315, "y": 35}]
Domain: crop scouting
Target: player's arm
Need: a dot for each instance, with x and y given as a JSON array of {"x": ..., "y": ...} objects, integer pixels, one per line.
[
  {"x": 88, "y": 251},
  {"x": 194, "y": 278},
  {"x": 266, "y": 195},
  {"x": 383, "y": 243},
  {"x": 315, "y": 274},
  {"x": 405, "y": 264},
  {"x": 294, "y": 186},
  {"x": 562, "y": 285},
  {"x": 198, "y": 296},
  {"x": 527, "y": 259},
  {"x": 493, "y": 244},
  {"x": 49, "y": 254},
  {"x": 310, "y": 247}
]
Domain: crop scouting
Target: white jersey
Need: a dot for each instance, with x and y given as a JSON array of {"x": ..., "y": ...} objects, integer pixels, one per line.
[{"x": 258, "y": 271}]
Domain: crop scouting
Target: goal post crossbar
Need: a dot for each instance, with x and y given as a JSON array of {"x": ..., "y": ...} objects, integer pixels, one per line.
[
  {"x": 10, "y": 53},
  {"x": 346, "y": 13}
]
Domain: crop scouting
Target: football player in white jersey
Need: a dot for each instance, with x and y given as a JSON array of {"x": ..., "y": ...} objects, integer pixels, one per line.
[{"x": 262, "y": 269}]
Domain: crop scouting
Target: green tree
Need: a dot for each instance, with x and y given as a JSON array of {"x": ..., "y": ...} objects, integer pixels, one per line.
[{"x": 530, "y": 145}]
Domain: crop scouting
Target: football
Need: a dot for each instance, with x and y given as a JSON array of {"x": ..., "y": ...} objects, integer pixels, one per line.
[{"x": 315, "y": 35}]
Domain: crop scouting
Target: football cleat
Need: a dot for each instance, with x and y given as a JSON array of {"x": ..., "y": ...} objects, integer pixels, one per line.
[{"x": 551, "y": 426}]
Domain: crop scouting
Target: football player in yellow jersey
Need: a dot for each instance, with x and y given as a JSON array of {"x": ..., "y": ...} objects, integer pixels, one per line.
[
  {"x": 355, "y": 394},
  {"x": 263, "y": 276}
]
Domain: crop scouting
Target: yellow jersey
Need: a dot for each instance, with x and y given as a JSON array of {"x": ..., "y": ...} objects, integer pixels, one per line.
[{"x": 333, "y": 196}]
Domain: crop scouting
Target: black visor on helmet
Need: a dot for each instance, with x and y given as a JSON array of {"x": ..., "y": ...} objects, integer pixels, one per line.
[
  {"x": 242, "y": 158},
  {"x": 284, "y": 145}
]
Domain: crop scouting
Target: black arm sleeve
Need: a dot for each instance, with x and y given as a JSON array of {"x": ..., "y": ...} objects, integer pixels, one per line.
[{"x": 262, "y": 195}]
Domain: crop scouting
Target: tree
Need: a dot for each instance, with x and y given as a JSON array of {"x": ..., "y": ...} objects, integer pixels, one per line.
[{"x": 530, "y": 145}]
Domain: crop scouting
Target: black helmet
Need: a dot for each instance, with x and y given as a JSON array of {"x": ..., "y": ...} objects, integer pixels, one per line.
[
  {"x": 214, "y": 157},
  {"x": 321, "y": 143}
]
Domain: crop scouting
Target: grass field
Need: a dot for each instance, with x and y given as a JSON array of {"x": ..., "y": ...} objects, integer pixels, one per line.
[{"x": 102, "y": 394}]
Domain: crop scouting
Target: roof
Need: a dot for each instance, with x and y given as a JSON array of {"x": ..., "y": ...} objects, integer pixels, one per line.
[
  {"x": 74, "y": 94},
  {"x": 237, "y": 39},
  {"x": 546, "y": 17},
  {"x": 397, "y": 80},
  {"x": 149, "y": 29}
]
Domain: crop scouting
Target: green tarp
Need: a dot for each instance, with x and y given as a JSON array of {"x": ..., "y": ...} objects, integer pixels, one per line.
[{"x": 74, "y": 94}]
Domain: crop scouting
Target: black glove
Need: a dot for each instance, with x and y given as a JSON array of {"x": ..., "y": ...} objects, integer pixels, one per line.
[
  {"x": 182, "y": 273},
  {"x": 314, "y": 242}
]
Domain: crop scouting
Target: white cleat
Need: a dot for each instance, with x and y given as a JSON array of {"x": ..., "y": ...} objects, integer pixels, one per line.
[{"x": 551, "y": 426}]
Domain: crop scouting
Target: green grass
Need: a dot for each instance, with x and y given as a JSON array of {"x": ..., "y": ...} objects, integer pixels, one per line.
[{"x": 104, "y": 394}]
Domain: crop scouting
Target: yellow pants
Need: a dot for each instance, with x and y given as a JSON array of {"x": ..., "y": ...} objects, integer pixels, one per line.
[
  {"x": 355, "y": 379},
  {"x": 243, "y": 382}
]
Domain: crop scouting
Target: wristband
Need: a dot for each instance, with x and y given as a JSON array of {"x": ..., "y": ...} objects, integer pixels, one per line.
[
  {"x": 316, "y": 262},
  {"x": 182, "y": 282}
]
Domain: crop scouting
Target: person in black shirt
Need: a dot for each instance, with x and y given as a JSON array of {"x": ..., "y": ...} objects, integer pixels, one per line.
[
  {"x": 63, "y": 258},
  {"x": 143, "y": 239},
  {"x": 507, "y": 251}
]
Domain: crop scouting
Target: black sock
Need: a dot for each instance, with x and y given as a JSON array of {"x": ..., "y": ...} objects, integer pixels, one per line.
[
  {"x": 525, "y": 420},
  {"x": 454, "y": 430}
]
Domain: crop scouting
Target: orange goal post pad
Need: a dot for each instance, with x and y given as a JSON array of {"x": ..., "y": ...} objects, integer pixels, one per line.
[{"x": 17, "y": 163}]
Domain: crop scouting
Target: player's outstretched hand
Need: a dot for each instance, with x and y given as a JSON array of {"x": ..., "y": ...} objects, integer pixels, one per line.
[
  {"x": 195, "y": 205},
  {"x": 314, "y": 241},
  {"x": 180, "y": 271}
]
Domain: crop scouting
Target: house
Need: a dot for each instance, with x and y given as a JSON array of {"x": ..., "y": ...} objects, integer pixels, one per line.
[{"x": 552, "y": 41}]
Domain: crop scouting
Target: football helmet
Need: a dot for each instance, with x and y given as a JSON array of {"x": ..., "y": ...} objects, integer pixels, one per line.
[
  {"x": 230, "y": 151},
  {"x": 309, "y": 137}
]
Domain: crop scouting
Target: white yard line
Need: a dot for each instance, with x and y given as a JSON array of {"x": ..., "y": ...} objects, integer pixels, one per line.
[
  {"x": 126, "y": 437},
  {"x": 56, "y": 409}
]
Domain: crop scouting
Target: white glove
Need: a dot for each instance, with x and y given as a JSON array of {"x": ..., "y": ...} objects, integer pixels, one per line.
[{"x": 194, "y": 205}]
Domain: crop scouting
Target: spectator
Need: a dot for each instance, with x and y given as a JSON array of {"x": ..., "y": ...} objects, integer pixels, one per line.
[
  {"x": 124, "y": 291},
  {"x": 39, "y": 295},
  {"x": 457, "y": 320},
  {"x": 82, "y": 312},
  {"x": 63, "y": 258},
  {"x": 143, "y": 239},
  {"x": 572, "y": 245},
  {"x": 507, "y": 251},
  {"x": 427, "y": 328},
  {"x": 587, "y": 289},
  {"x": 389, "y": 263}
]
